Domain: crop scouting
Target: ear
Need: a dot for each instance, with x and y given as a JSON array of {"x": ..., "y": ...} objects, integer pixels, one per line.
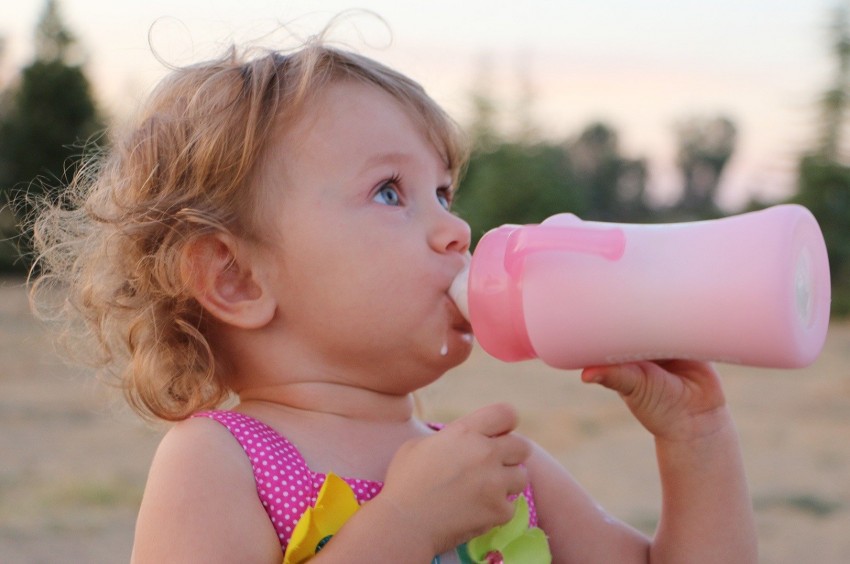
[{"x": 221, "y": 276}]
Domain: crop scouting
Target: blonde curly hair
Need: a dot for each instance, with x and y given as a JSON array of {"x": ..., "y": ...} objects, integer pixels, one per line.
[{"x": 185, "y": 168}]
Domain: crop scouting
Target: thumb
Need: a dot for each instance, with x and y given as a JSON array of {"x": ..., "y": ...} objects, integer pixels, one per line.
[{"x": 490, "y": 421}]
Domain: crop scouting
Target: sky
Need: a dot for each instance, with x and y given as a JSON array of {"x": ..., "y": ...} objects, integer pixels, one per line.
[{"x": 640, "y": 66}]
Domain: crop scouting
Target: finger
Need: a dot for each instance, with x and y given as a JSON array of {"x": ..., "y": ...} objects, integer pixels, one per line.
[
  {"x": 491, "y": 421},
  {"x": 689, "y": 369},
  {"x": 512, "y": 449},
  {"x": 516, "y": 479},
  {"x": 622, "y": 378}
]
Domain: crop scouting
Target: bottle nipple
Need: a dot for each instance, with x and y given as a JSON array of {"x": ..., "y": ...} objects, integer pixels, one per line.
[{"x": 458, "y": 291}]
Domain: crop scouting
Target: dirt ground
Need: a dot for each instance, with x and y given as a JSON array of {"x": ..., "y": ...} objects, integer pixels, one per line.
[{"x": 73, "y": 460}]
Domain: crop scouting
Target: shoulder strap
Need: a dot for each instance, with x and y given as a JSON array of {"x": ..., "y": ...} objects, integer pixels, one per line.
[{"x": 285, "y": 485}]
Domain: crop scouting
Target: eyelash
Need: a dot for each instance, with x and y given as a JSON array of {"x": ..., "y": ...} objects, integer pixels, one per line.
[
  {"x": 448, "y": 193},
  {"x": 395, "y": 180}
]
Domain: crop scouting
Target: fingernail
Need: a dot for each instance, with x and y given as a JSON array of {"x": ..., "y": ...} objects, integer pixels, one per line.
[{"x": 592, "y": 376}]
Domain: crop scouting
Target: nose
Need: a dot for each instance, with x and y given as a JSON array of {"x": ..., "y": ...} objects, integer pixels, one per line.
[{"x": 450, "y": 233}]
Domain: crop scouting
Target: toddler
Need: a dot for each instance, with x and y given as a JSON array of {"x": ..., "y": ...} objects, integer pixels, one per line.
[{"x": 274, "y": 234}]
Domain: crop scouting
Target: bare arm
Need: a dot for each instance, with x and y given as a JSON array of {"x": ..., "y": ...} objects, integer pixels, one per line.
[
  {"x": 706, "y": 510},
  {"x": 200, "y": 502},
  {"x": 707, "y": 514},
  {"x": 579, "y": 530}
]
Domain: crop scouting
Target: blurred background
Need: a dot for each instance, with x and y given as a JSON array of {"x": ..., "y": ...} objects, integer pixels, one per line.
[{"x": 615, "y": 110}]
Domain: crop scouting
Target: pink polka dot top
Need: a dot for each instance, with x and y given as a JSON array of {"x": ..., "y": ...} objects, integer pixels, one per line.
[{"x": 285, "y": 484}]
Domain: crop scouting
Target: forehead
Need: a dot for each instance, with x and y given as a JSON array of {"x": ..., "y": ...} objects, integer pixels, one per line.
[
  {"x": 355, "y": 115},
  {"x": 345, "y": 125}
]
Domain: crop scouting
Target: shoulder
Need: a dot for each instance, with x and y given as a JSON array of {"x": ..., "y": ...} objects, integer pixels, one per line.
[
  {"x": 195, "y": 430},
  {"x": 200, "y": 502},
  {"x": 200, "y": 449},
  {"x": 206, "y": 444}
]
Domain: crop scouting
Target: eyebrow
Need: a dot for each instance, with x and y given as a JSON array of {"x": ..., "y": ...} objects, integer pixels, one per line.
[{"x": 393, "y": 158}]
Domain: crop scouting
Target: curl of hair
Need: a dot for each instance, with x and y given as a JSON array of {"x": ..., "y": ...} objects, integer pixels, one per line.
[{"x": 113, "y": 243}]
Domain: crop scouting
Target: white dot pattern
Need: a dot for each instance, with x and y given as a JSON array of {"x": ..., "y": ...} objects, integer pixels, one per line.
[{"x": 285, "y": 484}]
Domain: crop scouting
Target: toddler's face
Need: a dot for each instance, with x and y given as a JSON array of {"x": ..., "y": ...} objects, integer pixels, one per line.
[{"x": 366, "y": 247}]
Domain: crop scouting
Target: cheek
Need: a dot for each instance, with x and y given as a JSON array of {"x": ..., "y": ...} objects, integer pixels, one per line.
[
  {"x": 358, "y": 268},
  {"x": 384, "y": 295}
]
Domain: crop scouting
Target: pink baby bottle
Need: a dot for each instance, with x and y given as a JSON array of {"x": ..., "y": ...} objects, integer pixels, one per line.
[{"x": 750, "y": 289}]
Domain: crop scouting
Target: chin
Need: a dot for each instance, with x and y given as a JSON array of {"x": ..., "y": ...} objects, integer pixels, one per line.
[
  {"x": 438, "y": 364},
  {"x": 457, "y": 350}
]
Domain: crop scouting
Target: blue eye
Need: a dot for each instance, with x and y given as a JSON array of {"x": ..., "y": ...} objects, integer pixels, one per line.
[
  {"x": 444, "y": 196},
  {"x": 388, "y": 194}
]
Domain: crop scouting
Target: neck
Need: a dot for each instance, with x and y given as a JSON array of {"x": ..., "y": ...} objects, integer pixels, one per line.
[{"x": 334, "y": 399}]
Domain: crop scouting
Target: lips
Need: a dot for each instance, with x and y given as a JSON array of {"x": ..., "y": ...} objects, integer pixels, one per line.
[
  {"x": 459, "y": 322},
  {"x": 463, "y": 327},
  {"x": 456, "y": 317}
]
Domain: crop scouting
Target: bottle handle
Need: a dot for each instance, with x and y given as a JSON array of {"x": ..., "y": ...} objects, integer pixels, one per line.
[{"x": 566, "y": 234}]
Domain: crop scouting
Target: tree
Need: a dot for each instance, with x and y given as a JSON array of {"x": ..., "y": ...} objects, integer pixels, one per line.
[
  {"x": 824, "y": 188},
  {"x": 834, "y": 101},
  {"x": 483, "y": 129},
  {"x": 526, "y": 129},
  {"x": 705, "y": 147},
  {"x": 523, "y": 179},
  {"x": 824, "y": 176},
  {"x": 516, "y": 183},
  {"x": 614, "y": 186},
  {"x": 46, "y": 117},
  {"x": 516, "y": 180}
]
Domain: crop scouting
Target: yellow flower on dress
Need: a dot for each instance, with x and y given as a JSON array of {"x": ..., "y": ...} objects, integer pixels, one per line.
[{"x": 335, "y": 504}]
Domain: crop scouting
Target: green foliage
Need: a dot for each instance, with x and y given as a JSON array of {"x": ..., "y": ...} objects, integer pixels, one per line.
[
  {"x": 705, "y": 147},
  {"x": 833, "y": 102},
  {"x": 524, "y": 179},
  {"x": 824, "y": 188},
  {"x": 52, "y": 110},
  {"x": 523, "y": 182},
  {"x": 613, "y": 186},
  {"x": 515, "y": 183},
  {"x": 824, "y": 176},
  {"x": 45, "y": 117}
]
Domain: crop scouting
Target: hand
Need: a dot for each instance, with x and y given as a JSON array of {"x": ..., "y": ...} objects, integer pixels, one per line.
[
  {"x": 455, "y": 484},
  {"x": 677, "y": 400}
]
